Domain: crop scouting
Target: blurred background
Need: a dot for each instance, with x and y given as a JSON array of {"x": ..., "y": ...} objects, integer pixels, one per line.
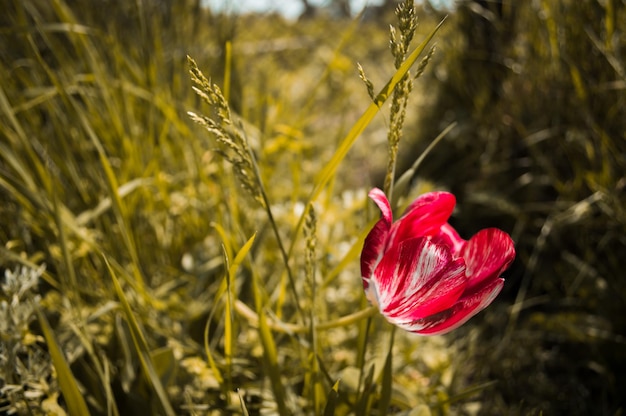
[{"x": 537, "y": 89}]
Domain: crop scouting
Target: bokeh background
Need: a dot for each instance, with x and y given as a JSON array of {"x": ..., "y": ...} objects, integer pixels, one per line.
[{"x": 93, "y": 103}]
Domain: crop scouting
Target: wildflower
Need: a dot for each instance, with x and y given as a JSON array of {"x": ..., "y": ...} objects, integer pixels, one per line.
[{"x": 422, "y": 275}]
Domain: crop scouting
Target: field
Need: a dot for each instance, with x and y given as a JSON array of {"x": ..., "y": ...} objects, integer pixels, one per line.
[{"x": 183, "y": 205}]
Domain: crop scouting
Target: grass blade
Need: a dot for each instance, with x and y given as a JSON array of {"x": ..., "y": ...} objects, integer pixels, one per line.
[
  {"x": 229, "y": 315},
  {"x": 368, "y": 392},
  {"x": 74, "y": 399},
  {"x": 269, "y": 350},
  {"x": 139, "y": 341},
  {"x": 244, "y": 409},
  {"x": 271, "y": 356},
  {"x": 331, "y": 402},
  {"x": 387, "y": 379}
]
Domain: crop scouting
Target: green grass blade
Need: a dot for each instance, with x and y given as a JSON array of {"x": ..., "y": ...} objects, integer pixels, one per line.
[
  {"x": 165, "y": 364},
  {"x": 368, "y": 392},
  {"x": 271, "y": 356},
  {"x": 74, "y": 399},
  {"x": 141, "y": 345},
  {"x": 387, "y": 379},
  {"x": 244, "y": 409},
  {"x": 207, "y": 350},
  {"x": 229, "y": 315},
  {"x": 228, "y": 58},
  {"x": 228, "y": 324},
  {"x": 270, "y": 352},
  {"x": 226, "y": 239},
  {"x": 227, "y": 250},
  {"x": 102, "y": 376},
  {"x": 332, "y": 400},
  {"x": 70, "y": 285},
  {"x": 241, "y": 254},
  {"x": 225, "y": 288}
]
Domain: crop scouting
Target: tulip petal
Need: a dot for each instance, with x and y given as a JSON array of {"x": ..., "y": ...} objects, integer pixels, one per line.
[
  {"x": 417, "y": 276},
  {"x": 381, "y": 200},
  {"x": 448, "y": 236},
  {"x": 439, "y": 294},
  {"x": 374, "y": 245},
  {"x": 373, "y": 250},
  {"x": 487, "y": 254},
  {"x": 407, "y": 267},
  {"x": 457, "y": 315},
  {"x": 424, "y": 217}
]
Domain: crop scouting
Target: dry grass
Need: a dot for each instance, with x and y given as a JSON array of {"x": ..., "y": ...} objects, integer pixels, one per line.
[{"x": 152, "y": 268}]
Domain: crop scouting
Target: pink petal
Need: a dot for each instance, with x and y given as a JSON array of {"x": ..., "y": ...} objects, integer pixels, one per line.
[
  {"x": 429, "y": 198},
  {"x": 487, "y": 254},
  {"x": 448, "y": 236},
  {"x": 440, "y": 294},
  {"x": 424, "y": 217},
  {"x": 373, "y": 250},
  {"x": 406, "y": 268},
  {"x": 374, "y": 245},
  {"x": 457, "y": 315},
  {"x": 380, "y": 199},
  {"x": 417, "y": 279}
]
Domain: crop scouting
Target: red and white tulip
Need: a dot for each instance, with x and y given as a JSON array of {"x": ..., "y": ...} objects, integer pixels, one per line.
[{"x": 422, "y": 275}]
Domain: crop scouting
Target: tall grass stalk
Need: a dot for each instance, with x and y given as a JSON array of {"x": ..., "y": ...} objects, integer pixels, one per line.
[{"x": 141, "y": 346}]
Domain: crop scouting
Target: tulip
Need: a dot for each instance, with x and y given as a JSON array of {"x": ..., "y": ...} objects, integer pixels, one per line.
[{"x": 422, "y": 275}]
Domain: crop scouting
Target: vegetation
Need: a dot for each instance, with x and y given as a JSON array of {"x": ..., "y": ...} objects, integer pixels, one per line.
[
  {"x": 152, "y": 266},
  {"x": 540, "y": 106}
]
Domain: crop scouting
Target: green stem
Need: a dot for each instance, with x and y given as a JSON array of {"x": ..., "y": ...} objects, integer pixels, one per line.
[
  {"x": 281, "y": 247},
  {"x": 284, "y": 327}
]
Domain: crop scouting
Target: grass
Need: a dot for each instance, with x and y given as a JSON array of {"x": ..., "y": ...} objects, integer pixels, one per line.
[{"x": 154, "y": 267}]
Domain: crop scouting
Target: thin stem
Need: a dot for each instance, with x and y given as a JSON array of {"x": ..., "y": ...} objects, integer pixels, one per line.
[
  {"x": 391, "y": 171},
  {"x": 279, "y": 240},
  {"x": 284, "y": 327}
]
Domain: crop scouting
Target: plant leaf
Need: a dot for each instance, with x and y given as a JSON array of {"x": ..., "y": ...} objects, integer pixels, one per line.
[
  {"x": 333, "y": 396},
  {"x": 76, "y": 404},
  {"x": 141, "y": 345}
]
